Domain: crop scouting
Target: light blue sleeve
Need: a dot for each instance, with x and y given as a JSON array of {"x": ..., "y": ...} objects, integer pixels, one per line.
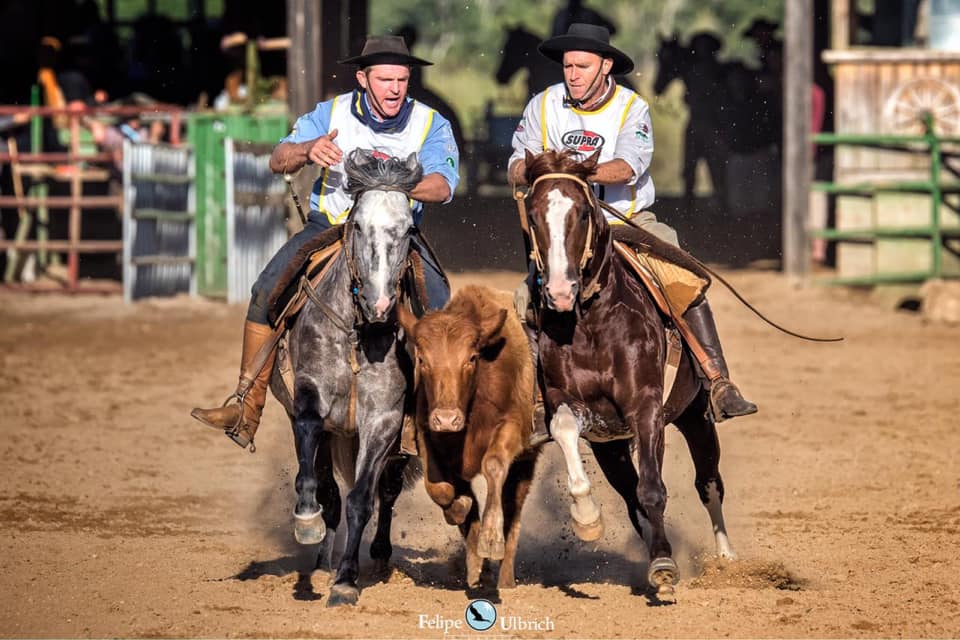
[
  {"x": 439, "y": 153},
  {"x": 311, "y": 126}
]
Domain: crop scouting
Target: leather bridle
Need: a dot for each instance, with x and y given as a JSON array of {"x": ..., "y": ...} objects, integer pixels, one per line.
[{"x": 585, "y": 290}]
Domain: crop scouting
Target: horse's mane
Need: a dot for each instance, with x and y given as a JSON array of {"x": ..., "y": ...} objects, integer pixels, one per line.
[
  {"x": 565, "y": 161},
  {"x": 367, "y": 171}
]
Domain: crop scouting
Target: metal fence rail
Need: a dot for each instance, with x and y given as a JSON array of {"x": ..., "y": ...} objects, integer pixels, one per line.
[
  {"x": 256, "y": 215},
  {"x": 159, "y": 231},
  {"x": 933, "y": 230}
]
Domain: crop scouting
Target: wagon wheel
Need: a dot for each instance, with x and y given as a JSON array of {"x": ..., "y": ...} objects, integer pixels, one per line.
[{"x": 904, "y": 110}]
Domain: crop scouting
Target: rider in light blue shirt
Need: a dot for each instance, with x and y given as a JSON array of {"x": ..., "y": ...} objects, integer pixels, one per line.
[{"x": 377, "y": 115}]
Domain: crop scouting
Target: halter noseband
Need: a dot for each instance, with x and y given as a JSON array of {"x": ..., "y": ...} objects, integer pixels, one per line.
[
  {"x": 356, "y": 282},
  {"x": 535, "y": 255}
]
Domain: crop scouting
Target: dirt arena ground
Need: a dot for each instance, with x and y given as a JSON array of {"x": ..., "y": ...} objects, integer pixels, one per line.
[{"x": 121, "y": 516}]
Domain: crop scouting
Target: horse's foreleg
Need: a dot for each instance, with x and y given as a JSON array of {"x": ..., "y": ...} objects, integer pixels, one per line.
[
  {"x": 701, "y": 435},
  {"x": 391, "y": 484},
  {"x": 515, "y": 491},
  {"x": 587, "y": 520},
  {"x": 652, "y": 495},
  {"x": 617, "y": 467},
  {"x": 374, "y": 447},
  {"x": 309, "y": 527}
]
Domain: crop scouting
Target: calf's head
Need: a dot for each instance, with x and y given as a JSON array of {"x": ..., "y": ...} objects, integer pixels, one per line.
[{"x": 448, "y": 349}]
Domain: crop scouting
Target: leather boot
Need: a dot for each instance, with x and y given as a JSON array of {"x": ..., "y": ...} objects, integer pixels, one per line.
[
  {"x": 408, "y": 437},
  {"x": 541, "y": 433},
  {"x": 239, "y": 420},
  {"x": 725, "y": 399}
]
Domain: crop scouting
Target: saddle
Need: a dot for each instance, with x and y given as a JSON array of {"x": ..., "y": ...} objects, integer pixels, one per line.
[
  {"x": 674, "y": 278},
  {"x": 308, "y": 268}
]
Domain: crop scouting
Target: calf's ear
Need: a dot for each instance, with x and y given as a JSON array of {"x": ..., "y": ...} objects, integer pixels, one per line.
[
  {"x": 490, "y": 328},
  {"x": 406, "y": 320}
]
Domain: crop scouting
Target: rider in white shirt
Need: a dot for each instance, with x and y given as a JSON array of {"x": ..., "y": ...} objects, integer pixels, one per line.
[{"x": 589, "y": 111}]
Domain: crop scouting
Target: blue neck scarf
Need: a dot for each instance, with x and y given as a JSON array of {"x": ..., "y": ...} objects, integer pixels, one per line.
[{"x": 362, "y": 112}]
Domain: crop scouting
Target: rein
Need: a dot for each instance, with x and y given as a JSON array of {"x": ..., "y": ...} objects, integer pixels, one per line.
[
  {"x": 586, "y": 292},
  {"x": 736, "y": 294},
  {"x": 520, "y": 198},
  {"x": 347, "y": 328}
]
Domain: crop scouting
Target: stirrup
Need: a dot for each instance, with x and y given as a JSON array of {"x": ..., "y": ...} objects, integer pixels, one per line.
[
  {"x": 234, "y": 432},
  {"x": 722, "y": 384}
]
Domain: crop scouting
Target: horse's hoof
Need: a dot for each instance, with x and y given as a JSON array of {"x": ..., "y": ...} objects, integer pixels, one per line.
[
  {"x": 666, "y": 593},
  {"x": 309, "y": 529},
  {"x": 588, "y": 532},
  {"x": 341, "y": 594},
  {"x": 663, "y": 574},
  {"x": 381, "y": 567},
  {"x": 457, "y": 512},
  {"x": 490, "y": 545}
]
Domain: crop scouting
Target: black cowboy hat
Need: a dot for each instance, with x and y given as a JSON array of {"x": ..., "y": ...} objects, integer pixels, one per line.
[
  {"x": 587, "y": 37},
  {"x": 758, "y": 26},
  {"x": 385, "y": 50}
]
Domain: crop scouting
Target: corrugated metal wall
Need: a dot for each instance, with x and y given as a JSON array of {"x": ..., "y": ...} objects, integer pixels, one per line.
[
  {"x": 159, "y": 235},
  {"x": 256, "y": 215}
]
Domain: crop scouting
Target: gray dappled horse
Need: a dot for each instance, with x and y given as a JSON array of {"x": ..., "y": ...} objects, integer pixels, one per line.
[{"x": 349, "y": 372}]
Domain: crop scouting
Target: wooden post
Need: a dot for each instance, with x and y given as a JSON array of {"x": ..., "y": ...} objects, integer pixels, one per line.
[
  {"x": 322, "y": 32},
  {"x": 304, "y": 63},
  {"x": 840, "y": 21},
  {"x": 797, "y": 153}
]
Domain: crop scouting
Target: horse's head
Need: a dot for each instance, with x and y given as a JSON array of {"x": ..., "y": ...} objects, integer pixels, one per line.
[
  {"x": 519, "y": 51},
  {"x": 671, "y": 57},
  {"x": 379, "y": 226},
  {"x": 448, "y": 345},
  {"x": 565, "y": 223}
]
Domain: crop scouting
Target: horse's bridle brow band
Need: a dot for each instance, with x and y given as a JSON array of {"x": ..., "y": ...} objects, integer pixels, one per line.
[{"x": 534, "y": 248}]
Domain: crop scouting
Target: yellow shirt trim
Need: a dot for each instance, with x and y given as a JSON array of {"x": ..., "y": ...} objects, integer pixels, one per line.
[
  {"x": 543, "y": 119},
  {"x": 616, "y": 90},
  {"x": 323, "y": 178}
]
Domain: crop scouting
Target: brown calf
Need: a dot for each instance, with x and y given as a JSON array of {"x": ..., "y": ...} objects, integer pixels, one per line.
[{"x": 474, "y": 415}]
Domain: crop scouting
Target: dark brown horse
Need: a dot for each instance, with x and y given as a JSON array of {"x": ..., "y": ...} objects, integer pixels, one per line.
[{"x": 601, "y": 342}]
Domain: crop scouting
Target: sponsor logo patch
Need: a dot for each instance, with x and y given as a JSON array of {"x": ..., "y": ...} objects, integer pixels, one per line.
[{"x": 582, "y": 140}]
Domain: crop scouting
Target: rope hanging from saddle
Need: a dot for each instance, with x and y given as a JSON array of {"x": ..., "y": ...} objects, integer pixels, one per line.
[{"x": 520, "y": 198}]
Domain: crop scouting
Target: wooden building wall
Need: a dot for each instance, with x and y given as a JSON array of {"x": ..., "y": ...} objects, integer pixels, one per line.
[{"x": 885, "y": 91}]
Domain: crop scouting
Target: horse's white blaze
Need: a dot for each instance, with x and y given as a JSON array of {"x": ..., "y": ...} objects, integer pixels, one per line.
[
  {"x": 383, "y": 216},
  {"x": 558, "y": 205},
  {"x": 715, "y": 509}
]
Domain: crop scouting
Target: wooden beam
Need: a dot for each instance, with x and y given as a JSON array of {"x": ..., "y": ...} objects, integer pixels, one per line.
[
  {"x": 304, "y": 63},
  {"x": 840, "y": 22},
  {"x": 322, "y": 32},
  {"x": 797, "y": 152}
]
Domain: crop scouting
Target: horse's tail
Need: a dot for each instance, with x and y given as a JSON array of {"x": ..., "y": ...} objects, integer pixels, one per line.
[
  {"x": 343, "y": 452},
  {"x": 412, "y": 473}
]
